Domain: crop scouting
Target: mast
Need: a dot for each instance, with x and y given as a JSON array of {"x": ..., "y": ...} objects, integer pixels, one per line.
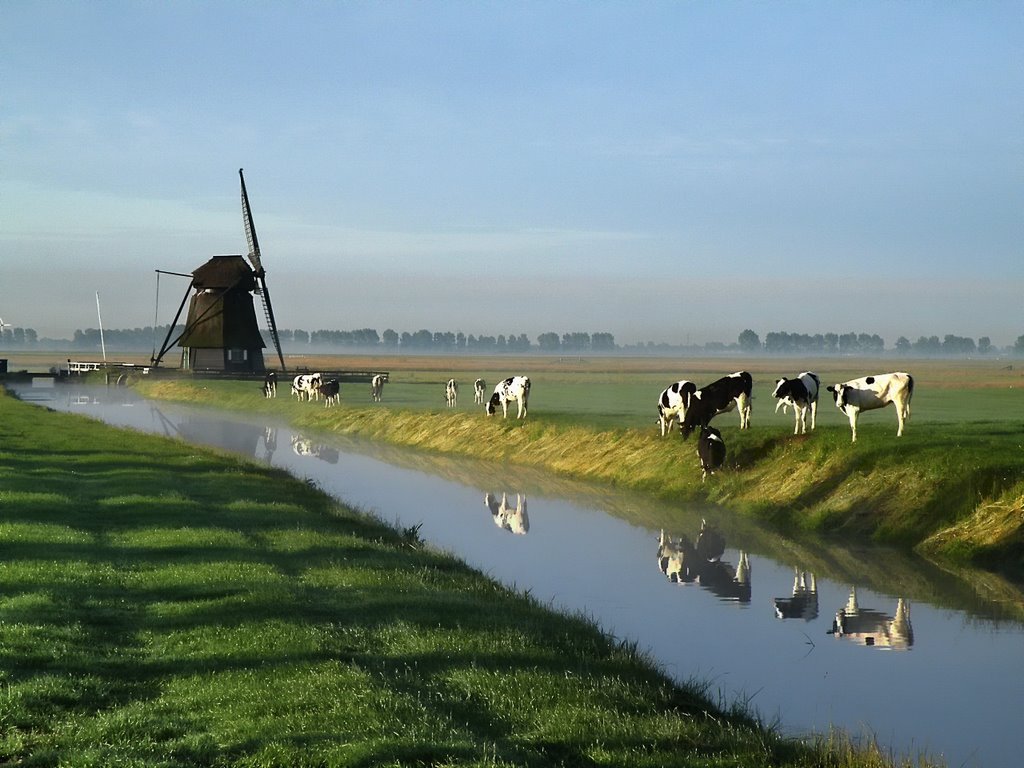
[{"x": 261, "y": 274}]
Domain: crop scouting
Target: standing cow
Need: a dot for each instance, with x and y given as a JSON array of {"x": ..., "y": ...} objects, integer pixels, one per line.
[
  {"x": 451, "y": 393},
  {"x": 513, "y": 388},
  {"x": 479, "y": 387},
  {"x": 376, "y": 387},
  {"x": 270, "y": 384},
  {"x": 719, "y": 396},
  {"x": 672, "y": 404},
  {"x": 802, "y": 394},
  {"x": 871, "y": 392}
]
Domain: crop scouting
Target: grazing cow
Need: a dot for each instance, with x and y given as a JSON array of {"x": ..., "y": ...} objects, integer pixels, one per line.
[
  {"x": 672, "y": 404},
  {"x": 306, "y": 386},
  {"x": 331, "y": 390},
  {"x": 802, "y": 394},
  {"x": 871, "y": 392},
  {"x": 719, "y": 396},
  {"x": 711, "y": 450},
  {"x": 451, "y": 393},
  {"x": 874, "y": 627},
  {"x": 270, "y": 384},
  {"x": 512, "y": 519},
  {"x": 376, "y": 387},
  {"x": 513, "y": 388},
  {"x": 804, "y": 602},
  {"x": 478, "y": 391}
]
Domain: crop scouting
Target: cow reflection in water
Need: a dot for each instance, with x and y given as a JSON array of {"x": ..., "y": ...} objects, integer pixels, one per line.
[
  {"x": 513, "y": 519},
  {"x": 307, "y": 448},
  {"x": 874, "y": 627},
  {"x": 804, "y": 602},
  {"x": 269, "y": 442},
  {"x": 701, "y": 563}
]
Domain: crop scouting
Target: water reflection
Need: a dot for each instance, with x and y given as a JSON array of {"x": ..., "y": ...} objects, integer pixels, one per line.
[
  {"x": 701, "y": 563},
  {"x": 311, "y": 449},
  {"x": 804, "y": 602},
  {"x": 512, "y": 519},
  {"x": 874, "y": 627}
]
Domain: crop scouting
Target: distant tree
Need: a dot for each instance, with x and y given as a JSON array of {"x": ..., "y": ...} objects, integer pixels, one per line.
[
  {"x": 576, "y": 342},
  {"x": 548, "y": 342},
  {"x": 602, "y": 342},
  {"x": 1018, "y": 346},
  {"x": 749, "y": 341},
  {"x": 390, "y": 338},
  {"x": 984, "y": 345},
  {"x": 460, "y": 340},
  {"x": 300, "y": 336},
  {"x": 928, "y": 345},
  {"x": 903, "y": 346},
  {"x": 831, "y": 343}
]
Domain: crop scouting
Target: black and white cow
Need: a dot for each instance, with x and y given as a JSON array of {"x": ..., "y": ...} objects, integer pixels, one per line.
[
  {"x": 306, "y": 386},
  {"x": 479, "y": 387},
  {"x": 711, "y": 450},
  {"x": 514, "y": 388},
  {"x": 672, "y": 404},
  {"x": 270, "y": 384},
  {"x": 331, "y": 391},
  {"x": 872, "y": 627},
  {"x": 376, "y": 387},
  {"x": 802, "y": 394},
  {"x": 719, "y": 396},
  {"x": 451, "y": 393},
  {"x": 871, "y": 392},
  {"x": 804, "y": 602}
]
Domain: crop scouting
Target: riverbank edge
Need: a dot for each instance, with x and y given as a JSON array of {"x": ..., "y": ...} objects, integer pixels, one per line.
[{"x": 959, "y": 506}]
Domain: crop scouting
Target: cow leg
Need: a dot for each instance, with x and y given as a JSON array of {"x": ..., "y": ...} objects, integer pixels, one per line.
[
  {"x": 852, "y": 413},
  {"x": 814, "y": 413}
]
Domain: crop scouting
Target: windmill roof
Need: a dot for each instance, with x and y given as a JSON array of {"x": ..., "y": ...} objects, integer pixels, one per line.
[{"x": 224, "y": 272}]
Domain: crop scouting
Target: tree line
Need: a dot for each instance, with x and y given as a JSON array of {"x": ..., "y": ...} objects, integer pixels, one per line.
[{"x": 576, "y": 342}]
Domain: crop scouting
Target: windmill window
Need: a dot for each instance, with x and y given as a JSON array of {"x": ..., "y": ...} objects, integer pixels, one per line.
[{"x": 238, "y": 355}]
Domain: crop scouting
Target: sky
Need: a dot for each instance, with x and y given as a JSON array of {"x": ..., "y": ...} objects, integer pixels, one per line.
[{"x": 664, "y": 171}]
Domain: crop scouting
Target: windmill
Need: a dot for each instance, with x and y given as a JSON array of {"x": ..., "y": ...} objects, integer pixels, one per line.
[{"x": 221, "y": 332}]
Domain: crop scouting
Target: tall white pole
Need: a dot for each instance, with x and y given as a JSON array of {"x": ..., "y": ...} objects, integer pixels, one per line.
[{"x": 103, "y": 345}]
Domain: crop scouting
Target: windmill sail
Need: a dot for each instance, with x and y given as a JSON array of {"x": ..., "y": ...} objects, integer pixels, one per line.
[{"x": 261, "y": 275}]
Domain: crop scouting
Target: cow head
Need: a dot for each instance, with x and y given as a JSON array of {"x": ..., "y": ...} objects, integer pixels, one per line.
[
  {"x": 839, "y": 394},
  {"x": 493, "y": 404}
]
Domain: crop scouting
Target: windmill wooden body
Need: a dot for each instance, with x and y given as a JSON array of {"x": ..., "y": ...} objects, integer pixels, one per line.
[{"x": 221, "y": 331}]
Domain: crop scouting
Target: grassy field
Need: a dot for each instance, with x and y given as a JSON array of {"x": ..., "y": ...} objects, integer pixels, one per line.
[
  {"x": 163, "y": 605},
  {"x": 952, "y": 486}
]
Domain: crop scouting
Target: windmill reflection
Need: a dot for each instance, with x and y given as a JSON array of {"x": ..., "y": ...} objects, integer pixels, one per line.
[
  {"x": 804, "y": 602},
  {"x": 701, "y": 563},
  {"x": 305, "y": 447},
  {"x": 512, "y": 519},
  {"x": 874, "y": 627}
]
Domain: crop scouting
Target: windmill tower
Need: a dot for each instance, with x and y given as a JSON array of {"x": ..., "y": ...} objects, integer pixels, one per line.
[{"x": 221, "y": 332}]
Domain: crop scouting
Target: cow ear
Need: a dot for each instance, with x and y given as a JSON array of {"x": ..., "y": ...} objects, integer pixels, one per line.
[{"x": 830, "y": 388}]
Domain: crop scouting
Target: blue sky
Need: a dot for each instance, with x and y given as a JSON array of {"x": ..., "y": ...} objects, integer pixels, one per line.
[{"x": 665, "y": 171}]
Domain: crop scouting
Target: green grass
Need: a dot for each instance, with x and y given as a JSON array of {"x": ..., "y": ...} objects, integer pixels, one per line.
[{"x": 162, "y": 605}]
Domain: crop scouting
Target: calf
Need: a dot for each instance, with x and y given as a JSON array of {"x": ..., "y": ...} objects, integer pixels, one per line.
[
  {"x": 331, "y": 390},
  {"x": 871, "y": 392},
  {"x": 451, "y": 393},
  {"x": 514, "y": 388},
  {"x": 802, "y": 394},
  {"x": 719, "y": 396},
  {"x": 376, "y": 387},
  {"x": 711, "y": 450},
  {"x": 672, "y": 404},
  {"x": 478, "y": 391},
  {"x": 270, "y": 384}
]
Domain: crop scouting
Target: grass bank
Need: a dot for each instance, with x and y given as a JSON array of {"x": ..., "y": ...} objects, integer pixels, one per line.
[
  {"x": 166, "y": 605},
  {"x": 952, "y": 489}
]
